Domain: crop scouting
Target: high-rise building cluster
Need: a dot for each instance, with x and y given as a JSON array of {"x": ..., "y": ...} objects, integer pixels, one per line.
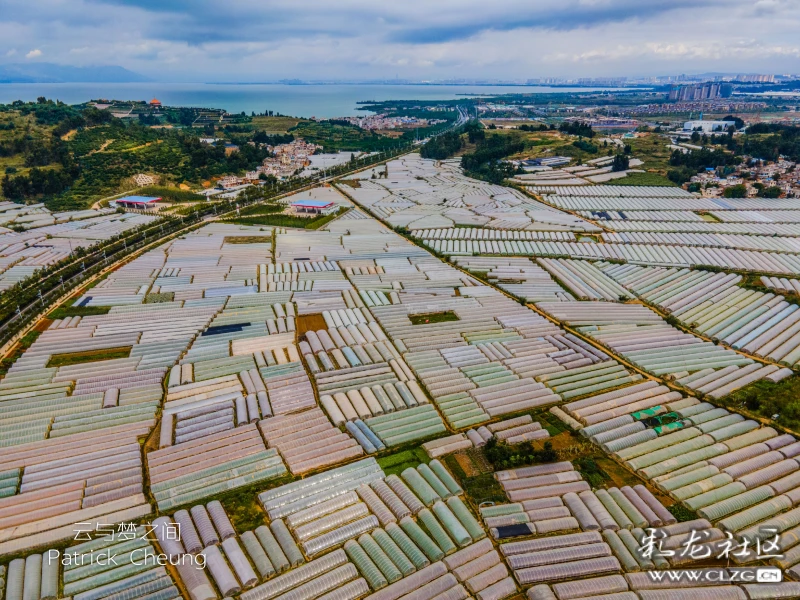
[
  {"x": 700, "y": 91},
  {"x": 755, "y": 78}
]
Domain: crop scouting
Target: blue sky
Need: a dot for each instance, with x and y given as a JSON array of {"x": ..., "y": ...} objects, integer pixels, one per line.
[{"x": 258, "y": 40}]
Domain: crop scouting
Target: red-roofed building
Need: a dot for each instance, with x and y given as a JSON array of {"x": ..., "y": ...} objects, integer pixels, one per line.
[
  {"x": 316, "y": 207},
  {"x": 138, "y": 202}
]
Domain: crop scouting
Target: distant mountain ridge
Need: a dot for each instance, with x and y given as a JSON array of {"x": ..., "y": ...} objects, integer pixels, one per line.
[{"x": 51, "y": 73}]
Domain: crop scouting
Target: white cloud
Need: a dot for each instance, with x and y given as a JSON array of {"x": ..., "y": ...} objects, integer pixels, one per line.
[
  {"x": 248, "y": 40},
  {"x": 11, "y": 52},
  {"x": 35, "y": 53}
]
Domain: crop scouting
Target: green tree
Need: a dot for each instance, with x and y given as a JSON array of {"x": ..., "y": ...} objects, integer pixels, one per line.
[
  {"x": 621, "y": 163},
  {"x": 578, "y": 128},
  {"x": 735, "y": 191},
  {"x": 442, "y": 146},
  {"x": 737, "y": 122},
  {"x": 486, "y": 163},
  {"x": 680, "y": 175},
  {"x": 772, "y": 191},
  {"x": 585, "y": 146}
]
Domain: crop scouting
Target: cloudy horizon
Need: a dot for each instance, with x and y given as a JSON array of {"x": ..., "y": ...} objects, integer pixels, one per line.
[{"x": 246, "y": 40}]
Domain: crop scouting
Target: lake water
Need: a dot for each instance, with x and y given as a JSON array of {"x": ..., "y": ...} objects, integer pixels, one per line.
[{"x": 324, "y": 101}]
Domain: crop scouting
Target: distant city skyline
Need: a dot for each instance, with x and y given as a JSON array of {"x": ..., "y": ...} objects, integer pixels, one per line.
[
  {"x": 41, "y": 72},
  {"x": 247, "y": 40}
]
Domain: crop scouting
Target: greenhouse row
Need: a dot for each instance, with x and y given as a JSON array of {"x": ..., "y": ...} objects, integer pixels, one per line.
[
  {"x": 517, "y": 276},
  {"x": 744, "y": 260},
  {"x": 492, "y": 234},
  {"x": 715, "y": 240},
  {"x": 229, "y": 459},
  {"x": 643, "y": 215},
  {"x": 45, "y": 238},
  {"x": 617, "y": 191},
  {"x": 734, "y": 213},
  {"x": 760, "y": 228},
  {"x": 781, "y": 284},
  {"x": 314, "y": 370},
  {"x": 423, "y": 196},
  {"x": 584, "y": 280},
  {"x": 380, "y": 546},
  {"x": 640, "y": 335},
  {"x": 732, "y": 471},
  {"x": 640, "y": 586},
  {"x": 658, "y": 198},
  {"x": 716, "y": 306},
  {"x": 309, "y": 441}
]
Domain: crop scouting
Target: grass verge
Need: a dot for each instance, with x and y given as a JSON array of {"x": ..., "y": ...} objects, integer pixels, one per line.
[
  {"x": 170, "y": 194},
  {"x": 653, "y": 179},
  {"x": 281, "y": 220},
  {"x": 438, "y": 317},
  {"x": 24, "y": 343},
  {"x": 249, "y": 239},
  {"x": 64, "y": 312},
  {"x": 76, "y": 358},
  {"x": 478, "y": 489},
  {"x": 394, "y": 464},
  {"x": 683, "y": 514},
  {"x": 243, "y": 507},
  {"x": 767, "y": 399}
]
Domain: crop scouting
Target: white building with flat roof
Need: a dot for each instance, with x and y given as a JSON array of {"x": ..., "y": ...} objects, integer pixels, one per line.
[{"x": 707, "y": 126}]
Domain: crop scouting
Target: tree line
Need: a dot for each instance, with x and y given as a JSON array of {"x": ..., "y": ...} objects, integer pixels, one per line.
[{"x": 486, "y": 161}]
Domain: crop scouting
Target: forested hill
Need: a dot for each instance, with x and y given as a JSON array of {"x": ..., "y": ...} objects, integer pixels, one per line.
[{"x": 68, "y": 157}]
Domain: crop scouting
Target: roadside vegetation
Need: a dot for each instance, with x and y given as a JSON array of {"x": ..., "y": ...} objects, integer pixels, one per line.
[
  {"x": 25, "y": 342},
  {"x": 271, "y": 215}
]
